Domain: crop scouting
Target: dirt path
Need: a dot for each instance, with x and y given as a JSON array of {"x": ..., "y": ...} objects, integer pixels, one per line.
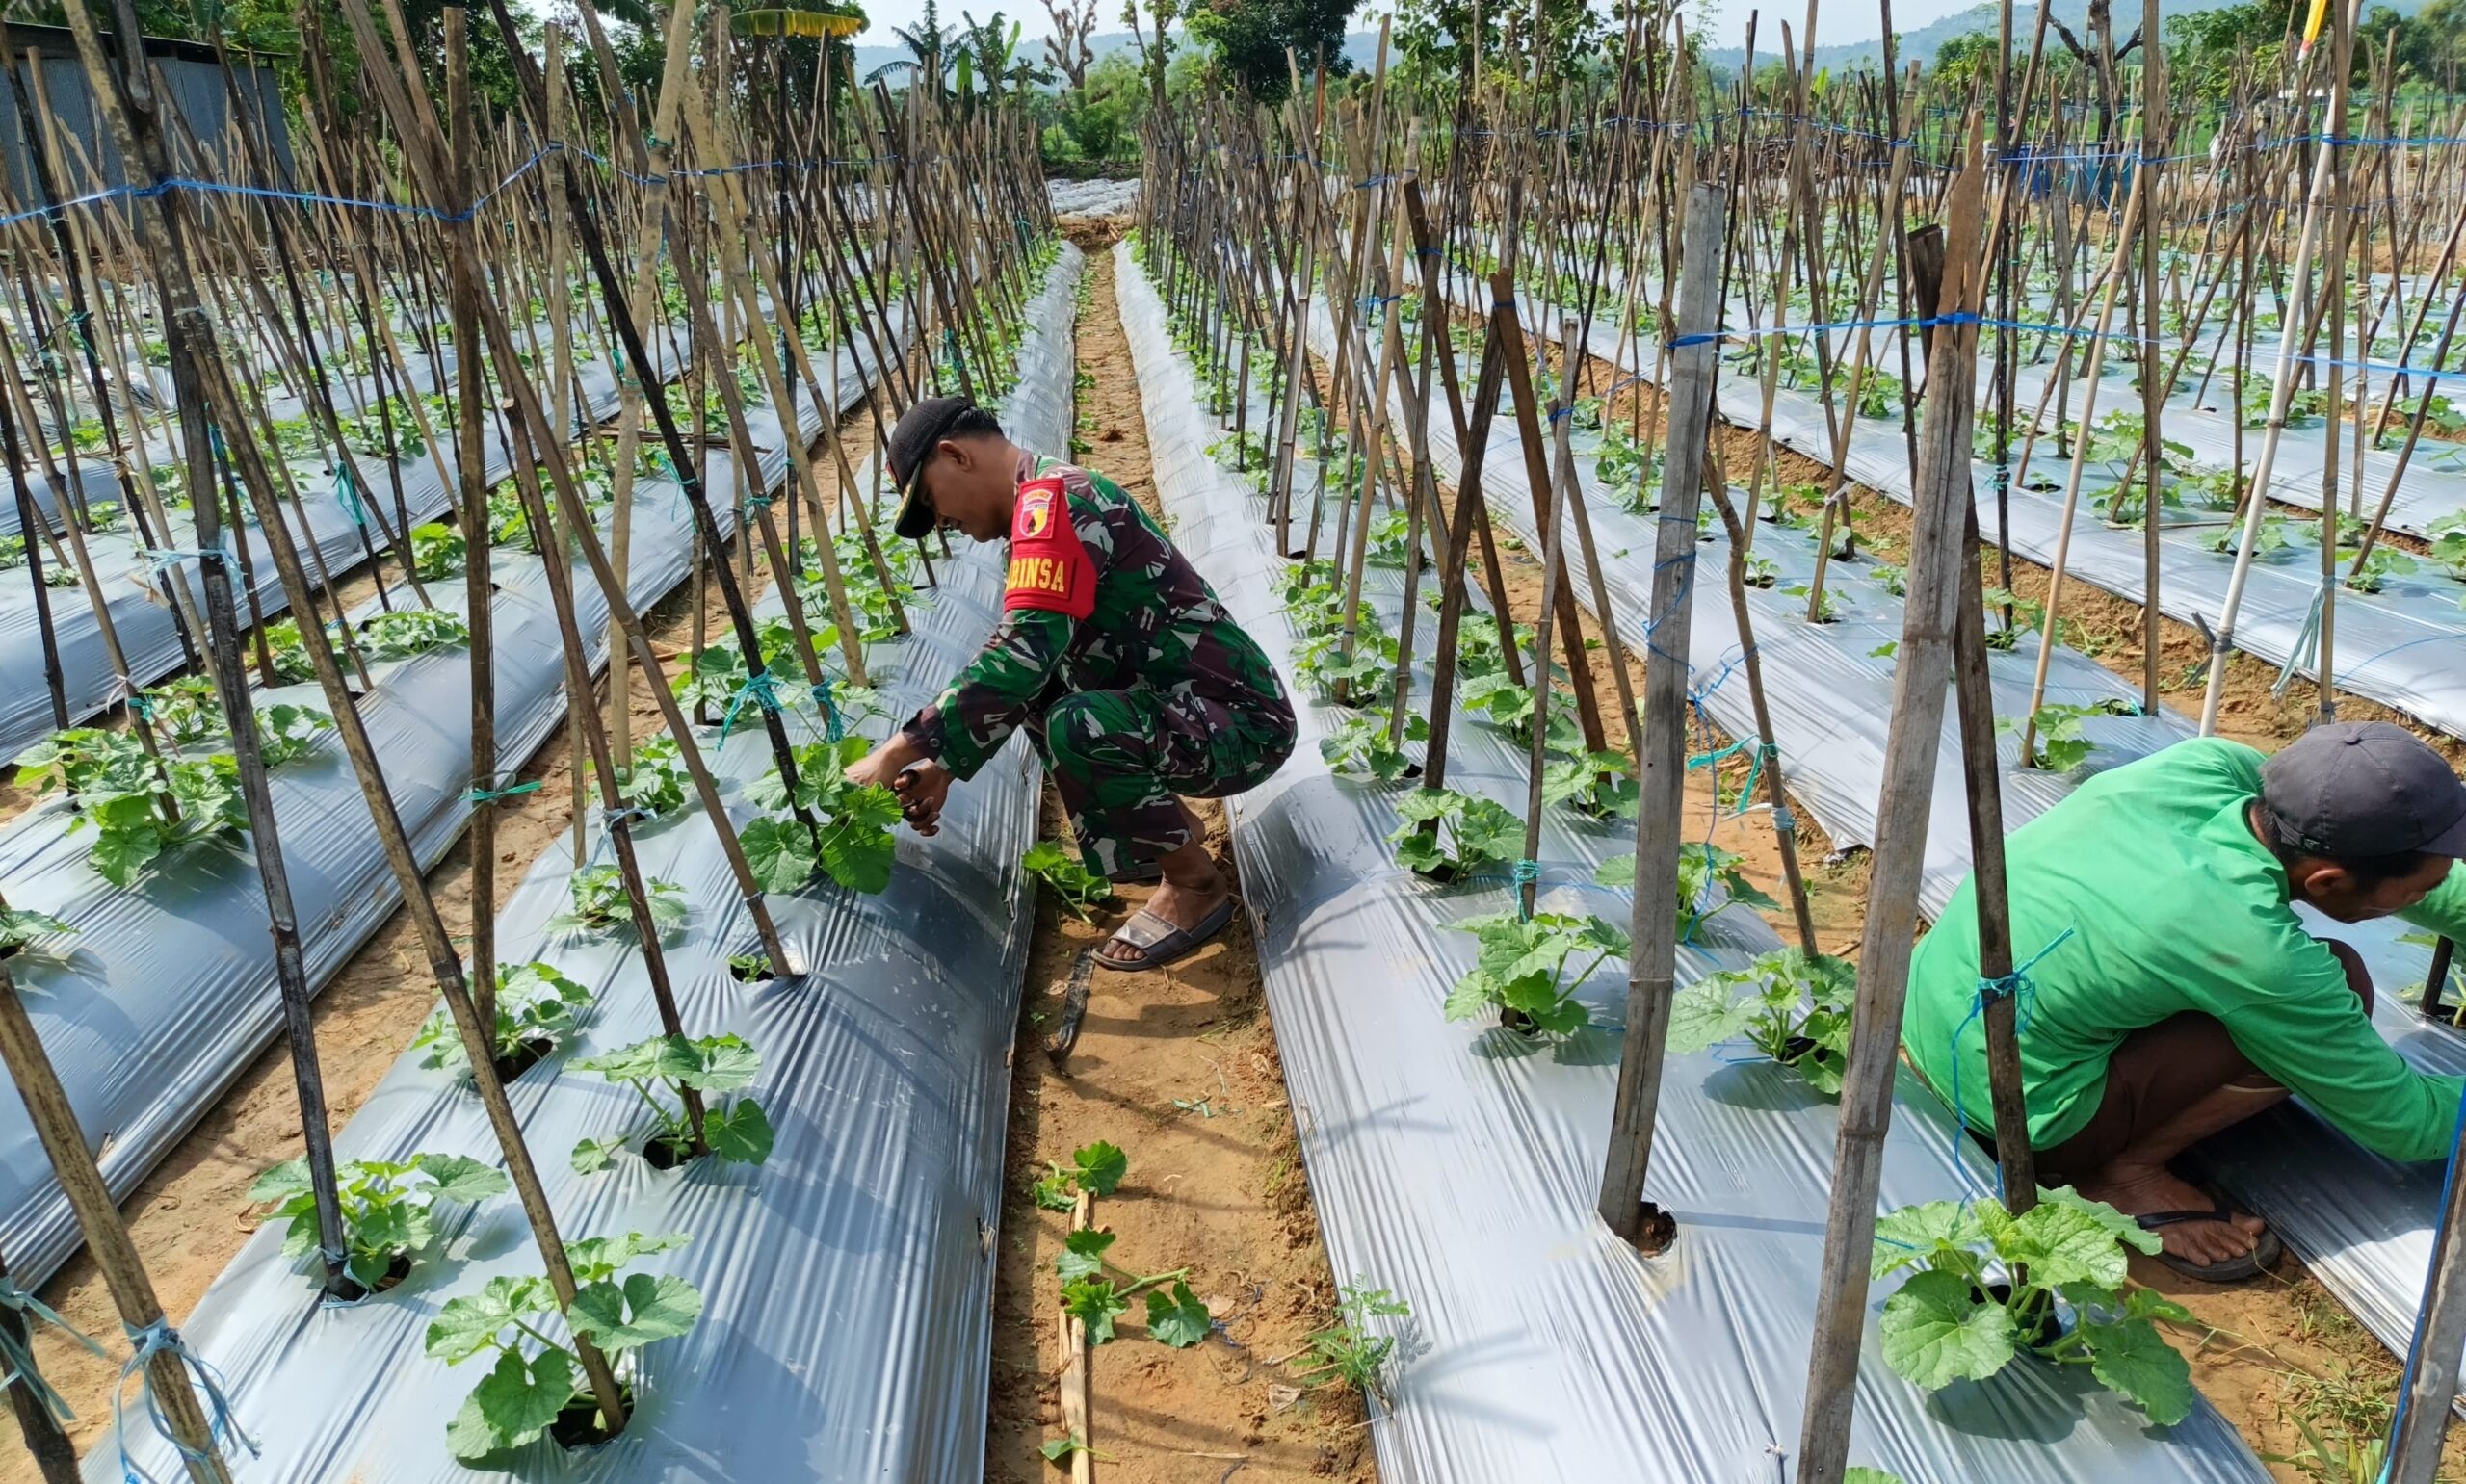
[
  {"x": 191, "y": 1216},
  {"x": 1179, "y": 1069}
]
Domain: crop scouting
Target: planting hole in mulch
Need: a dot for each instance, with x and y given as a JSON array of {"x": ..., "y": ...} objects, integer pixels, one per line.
[
  {"x": 354, "y": 1293},
  {"x": 1656, "y": 1232},
  {"x": 752, "y": 969},
  {"x": 1519, "y": 1022},
  {"x": 663, "y": 1154},
  {"x": 2048, "y": 1329},
  {"x": 579, "y": 1426},
  {"x": 526, "y": 1053}
]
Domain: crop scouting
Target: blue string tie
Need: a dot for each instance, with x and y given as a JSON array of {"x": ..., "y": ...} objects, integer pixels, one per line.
[
  {"x": 477, "y": 797},
  {"x": 19, "y": 1355},
  {"x": 833, "y": 726},
  {"x": 759, "y": 687},
  {"x": 2018, "y": 987},
  {"x": 147, "y": 1342}
]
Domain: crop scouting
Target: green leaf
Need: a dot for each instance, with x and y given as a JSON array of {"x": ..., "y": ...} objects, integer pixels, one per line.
[
  {"x": 2132, "y": 1358},
  {"x": 1860, "y": 1474},
  {"x": 2060, "y": 1244},
  {"x": 780, "y": 853},
  {"x": 2123, "y": 1228},
  {"x": 1705, "y": 1014},
  {"x": 1179, "y": 1320},
  {"x": 594, "y": 1257},
  {"x": 284, "y": 1180},
  {"x": 740, "y": 1133},
  {"x": 1092, "y": 1302},
  {"x": 592, "y": 1155},
  {"x": 649, "y": 1307},
  {"x": 1619, "y": 871},
  {"x": 1052, "y": 1190},
  {"x": 1083, "y": 1253},
  {"x": 463, "y": 1180},
  {"x": 469, "y": 1324},
  {"x": 721, "y": 1063},
  {"x": 1917, "y": 1233},
  {"x": 1417, "y": 852},
  {"x": 1473, "y": 994},
  {"x": 119, "y": 855},
  {"x": 1101, "y": 1168},
  {"x": 515, "y": 1403},
  {"x": 1935, "y": 1331}
]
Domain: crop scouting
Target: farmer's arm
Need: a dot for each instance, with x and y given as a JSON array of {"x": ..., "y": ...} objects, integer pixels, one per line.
[
  {"x": 2303, "y": 1024},
  {"x": 986, "y": 701}
]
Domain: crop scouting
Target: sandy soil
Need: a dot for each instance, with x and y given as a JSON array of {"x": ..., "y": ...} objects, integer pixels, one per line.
[{"x": 1178, "y": 1067}]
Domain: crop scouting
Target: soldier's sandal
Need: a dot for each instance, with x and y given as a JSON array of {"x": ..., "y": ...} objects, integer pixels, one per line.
[{"x": 1158, "y": 942}]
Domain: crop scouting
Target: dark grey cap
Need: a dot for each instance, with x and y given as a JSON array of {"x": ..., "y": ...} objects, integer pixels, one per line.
[
  {"x": 921, "y": 427},
  {"x": 2353, "y": 790}
]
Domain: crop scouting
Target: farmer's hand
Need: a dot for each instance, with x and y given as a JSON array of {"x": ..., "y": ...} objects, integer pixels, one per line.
[
  {"x": 921, "y": 791},
  {"x": 884, "y": 763}
]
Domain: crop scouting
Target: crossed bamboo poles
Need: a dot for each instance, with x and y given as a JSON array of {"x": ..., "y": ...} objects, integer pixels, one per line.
[{"x": 960, "y": 262}]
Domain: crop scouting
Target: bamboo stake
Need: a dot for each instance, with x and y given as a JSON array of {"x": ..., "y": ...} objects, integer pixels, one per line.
[{"x": 1662, "y": 774}]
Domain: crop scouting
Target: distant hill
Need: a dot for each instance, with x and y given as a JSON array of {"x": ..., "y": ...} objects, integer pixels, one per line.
[{"x": 1923, "y": 44}]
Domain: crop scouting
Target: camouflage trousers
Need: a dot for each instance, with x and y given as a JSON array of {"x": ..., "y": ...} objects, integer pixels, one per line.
[{"x": 1122, "y": 760}]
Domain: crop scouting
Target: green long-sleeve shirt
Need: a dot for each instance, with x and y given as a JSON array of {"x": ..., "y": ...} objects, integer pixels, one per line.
[{"x": 2174, "y": 905}]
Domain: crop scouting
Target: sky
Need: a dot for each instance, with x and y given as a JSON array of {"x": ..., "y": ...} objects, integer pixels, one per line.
[{"x": 1835, "y": 23}]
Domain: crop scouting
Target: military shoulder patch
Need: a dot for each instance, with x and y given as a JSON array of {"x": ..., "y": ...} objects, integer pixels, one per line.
[{"x": 1049, "y": 567}]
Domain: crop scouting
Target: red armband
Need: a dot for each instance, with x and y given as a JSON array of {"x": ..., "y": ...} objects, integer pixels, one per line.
[{"x": 1049, "y": 568}]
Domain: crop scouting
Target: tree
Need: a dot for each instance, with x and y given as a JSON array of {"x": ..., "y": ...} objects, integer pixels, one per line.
[
  {"x": 1250, "y": 37},
  {"x": 930, "y": 42},
  {"x": 1068, "y": 48},
  {"x": 1967, "y": 58},
  {"x": 1099, "y": 116},
  {"x": 992, "y": 49},
  {"x": 1155, "y": 53}
]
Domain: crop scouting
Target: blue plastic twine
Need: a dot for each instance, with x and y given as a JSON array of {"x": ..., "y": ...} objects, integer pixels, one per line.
[
  {"x": 476, "y": 797},
  {"x": 20, "y": 1355},
  {"x": 149, "y": 1341},
  {"x": 832, "y": 725},
  {"x": 760, "y": 688},
  {"x": 2016, "y": 985}
]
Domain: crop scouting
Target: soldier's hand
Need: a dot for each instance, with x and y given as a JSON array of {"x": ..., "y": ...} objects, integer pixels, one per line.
[
  {"x": 882, "y": 765},
  {"x": 921, "y": 791}
]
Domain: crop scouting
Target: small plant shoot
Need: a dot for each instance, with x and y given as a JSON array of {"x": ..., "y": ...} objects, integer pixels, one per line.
[
  {"x": 738, "y": 1132},
  {"x": 1095, "y": 1168},
  {"x": 1791, "y": 1006},
  {"x": 1524, "y": 966},
  {"x": 387, "y": 1209},
  {"x": 537, "y": 1382},
  {"x": 1466, "y": 833},
  {"x": 1058, "y": 867}
]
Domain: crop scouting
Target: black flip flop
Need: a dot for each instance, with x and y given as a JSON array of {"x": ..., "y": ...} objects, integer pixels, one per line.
[
  {"x": 2263, "y": 1255},
  {"x": 1160, "y": 943}
]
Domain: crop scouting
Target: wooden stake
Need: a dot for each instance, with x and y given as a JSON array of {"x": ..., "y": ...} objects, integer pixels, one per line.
[
  {"x": 1911, "y": 750},
  {"x": 1652, "y": 971}
]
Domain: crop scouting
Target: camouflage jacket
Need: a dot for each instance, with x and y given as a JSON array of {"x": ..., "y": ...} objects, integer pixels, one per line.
[{"x": 1095, "y": 598}]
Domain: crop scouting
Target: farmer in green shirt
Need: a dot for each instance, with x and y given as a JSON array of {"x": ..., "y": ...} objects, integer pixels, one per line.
[
  {"x": 2189, "y": 996},
  {"x": 1136, "y": 686}
]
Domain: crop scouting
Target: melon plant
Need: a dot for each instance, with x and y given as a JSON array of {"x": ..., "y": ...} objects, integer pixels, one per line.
[
  {"x": 852, "y": 839},
  {"x": 536, "y": 1008},
  {"x": 599, "y": 905},
  {"x": 537, "y": 1381},
  {"x": 1792, "y": 1005},
  {"x": 387, "y": 1207},
  {"x": 1524, "y": 966},
  {"x": 1701, "y": 867},
  {"x": 1990, "y": 1286},
  {"x": 738, "y": 1132},
  {"x": 1446, "y": 834},
  {"x": 121, "y": 794}
]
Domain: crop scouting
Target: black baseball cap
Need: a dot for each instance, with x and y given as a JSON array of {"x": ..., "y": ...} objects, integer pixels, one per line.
[
  {"x": 2353, "y": 790},
  {"x": 921, "y": 429}
]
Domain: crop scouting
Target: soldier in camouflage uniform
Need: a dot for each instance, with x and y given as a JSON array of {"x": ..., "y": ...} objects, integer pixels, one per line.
[{"x": 1136, "y": 686}]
